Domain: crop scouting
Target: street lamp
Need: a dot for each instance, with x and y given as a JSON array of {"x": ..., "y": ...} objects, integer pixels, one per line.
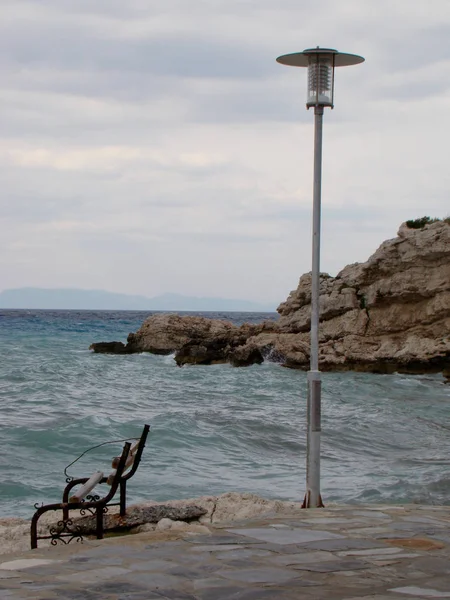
[{"x": 320, "y": 63}]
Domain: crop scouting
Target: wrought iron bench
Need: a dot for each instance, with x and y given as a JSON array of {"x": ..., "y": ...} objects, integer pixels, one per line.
[{"x": 124, "y": 467}]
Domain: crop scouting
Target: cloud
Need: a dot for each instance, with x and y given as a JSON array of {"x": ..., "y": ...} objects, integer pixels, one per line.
[{"x": 153, "y": 146}]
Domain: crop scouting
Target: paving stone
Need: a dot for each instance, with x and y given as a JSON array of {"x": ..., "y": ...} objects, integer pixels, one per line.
[
  {"x": 167, "y": 547},
  {"x": 287, "y": 536},
  {"x": 186, "y": 558},
  {"x": 264, "y": 593},
  {"x": 243, "y": 553},
  {"x": 370, "y": 552},
  {"x": 48, "y": 570},
  {"x": 80, "y": 594},
  {"x": 344, "y": 544},
  {"x": 425, "y": 520},
  {"x": 421, "y": 592},
  {"x": 102, "y": 550},
  {"x": 80, "y": 559},
  {"x": 441, "y": 583},
  {"x": 141, "y": 596},
  {"x": 187, "y": 573},
  {"x": 269, "y": 575},
  {"x": 392, "y": 535},
  {"x": 393, "y": 557},
  {"x": 215, "y": 540},
  {"x": 240, "y": 564},
  {"x": 433, "y": 564},
  {"x": 219, "y": 592},
  {"x": 419, "y": 544},
  {"x": 175, "y": 594},
  {"x": 334, "y": 521},
  {"x": 281, "y": 549},
  {"x": 376, "y": 597},
  {"x": 386, "y": 562},
  {"x": 413, "y": 528},
  {"x": 26, "y": 563},
  {"x": 107, "y": 561},
  {"x": 442, "y": 537},
  {"x": 372, "y": 514},
  {"x": 371, "y": 530},
  {"x": 94, "y": 575},
  {"x": 218, "y": 548},
  {"x": 155, "y": 580},
  {"x": 117, "y": 587},
  {"x": 333, "y": 566},
  {"x": 206, "y": 568},
  {"x": 76, "y": 567},
  {"x": 209, "y": 583},
  {"x": 305, "y": 558},
  {"x": 152, "y": 565}
]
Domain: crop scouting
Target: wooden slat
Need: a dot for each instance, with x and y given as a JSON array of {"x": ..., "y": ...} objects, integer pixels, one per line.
[
  {"x": 87, "y": 487},
  {"x": 129, "y": 462},
  {"x": 131, "y": 454}
]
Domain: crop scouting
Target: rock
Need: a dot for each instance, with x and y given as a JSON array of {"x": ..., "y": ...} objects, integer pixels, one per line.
[
  {"x": 248, "y": 354},
  {"x": 109, "y": 348},
  {"x": 139, "y": 515},
  {"x": 391, "y": 313},
  {"x": 164, "y": 525},
  {"x": 196, "y": 340},
  {"x": 164, "y": 334},
  {"x": 204, "y": 352},
  {"x": 234, "y": 506},
  {"x": 145, "y": 528},
  {"x": 189, "y": 527}
]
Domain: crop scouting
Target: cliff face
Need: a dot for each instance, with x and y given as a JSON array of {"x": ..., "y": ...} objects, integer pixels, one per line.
[{"x": 391, "y": 313}]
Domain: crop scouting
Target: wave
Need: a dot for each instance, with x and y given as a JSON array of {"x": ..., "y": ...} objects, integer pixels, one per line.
[{"x": 214, "y": 429}]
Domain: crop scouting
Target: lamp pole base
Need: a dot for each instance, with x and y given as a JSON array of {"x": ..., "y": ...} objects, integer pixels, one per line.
[{"x": 307, "y": 501}]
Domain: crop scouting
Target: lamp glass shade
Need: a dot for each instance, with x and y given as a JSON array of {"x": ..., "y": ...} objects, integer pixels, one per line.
[{"x": 320, "y": 80}]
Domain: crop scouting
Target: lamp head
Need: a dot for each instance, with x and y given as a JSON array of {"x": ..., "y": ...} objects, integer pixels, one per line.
[{"x": 320, "y": 63}]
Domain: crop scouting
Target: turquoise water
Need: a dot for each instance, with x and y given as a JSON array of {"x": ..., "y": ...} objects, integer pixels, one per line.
[{"x": 214, "y": 429}]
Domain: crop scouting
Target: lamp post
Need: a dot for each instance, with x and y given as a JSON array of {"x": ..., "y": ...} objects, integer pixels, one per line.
[{"x": 320, "y": 63}]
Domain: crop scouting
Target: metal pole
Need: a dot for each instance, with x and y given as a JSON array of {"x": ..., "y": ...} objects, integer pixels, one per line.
[{"x": 313, "y": 498}]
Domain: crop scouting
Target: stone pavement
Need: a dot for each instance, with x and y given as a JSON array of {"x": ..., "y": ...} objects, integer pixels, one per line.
[{"x": 359, "y": 552}]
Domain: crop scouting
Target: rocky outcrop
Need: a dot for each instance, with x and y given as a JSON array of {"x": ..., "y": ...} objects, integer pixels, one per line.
[
  {"x": 140, "y": 515},
  {"x": 194, "y": 340},
  {"x": 391, "y": 313}
]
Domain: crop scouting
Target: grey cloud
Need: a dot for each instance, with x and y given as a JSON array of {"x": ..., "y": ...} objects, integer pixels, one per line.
[
  {"x": 413, "y": 91},
  {"x": 416, "y": 48},
  {"x": 270, "y": 100},
  {"x": 180, "y": 54},
  {"x": 228, "y": 238}
]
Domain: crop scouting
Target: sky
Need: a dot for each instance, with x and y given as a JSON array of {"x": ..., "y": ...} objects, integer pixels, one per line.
[{"x": 151, "y": 146}]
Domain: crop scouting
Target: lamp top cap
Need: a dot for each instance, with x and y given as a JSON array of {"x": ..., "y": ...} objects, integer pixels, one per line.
[{"x": 302, "y": 59}]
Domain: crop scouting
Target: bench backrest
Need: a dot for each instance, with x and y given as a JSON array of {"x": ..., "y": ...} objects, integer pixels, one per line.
[
  {"x": 133, "y": 460},
  {"x": 124, "y": 467}
]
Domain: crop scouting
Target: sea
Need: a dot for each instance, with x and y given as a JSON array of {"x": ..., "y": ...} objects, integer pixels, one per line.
[{"x": 214, "y": 429}]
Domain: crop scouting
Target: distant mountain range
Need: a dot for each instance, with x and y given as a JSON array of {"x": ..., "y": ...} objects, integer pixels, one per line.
[{"x": 66, "y": 299}]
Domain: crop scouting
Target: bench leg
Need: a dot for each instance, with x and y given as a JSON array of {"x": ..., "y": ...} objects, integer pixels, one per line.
[
  {"x": 99, "y": 514},
  {"x": 34, "y": 521},
  {"x": 123, "y": 497},
  {"x": 65, "y": 512}
]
